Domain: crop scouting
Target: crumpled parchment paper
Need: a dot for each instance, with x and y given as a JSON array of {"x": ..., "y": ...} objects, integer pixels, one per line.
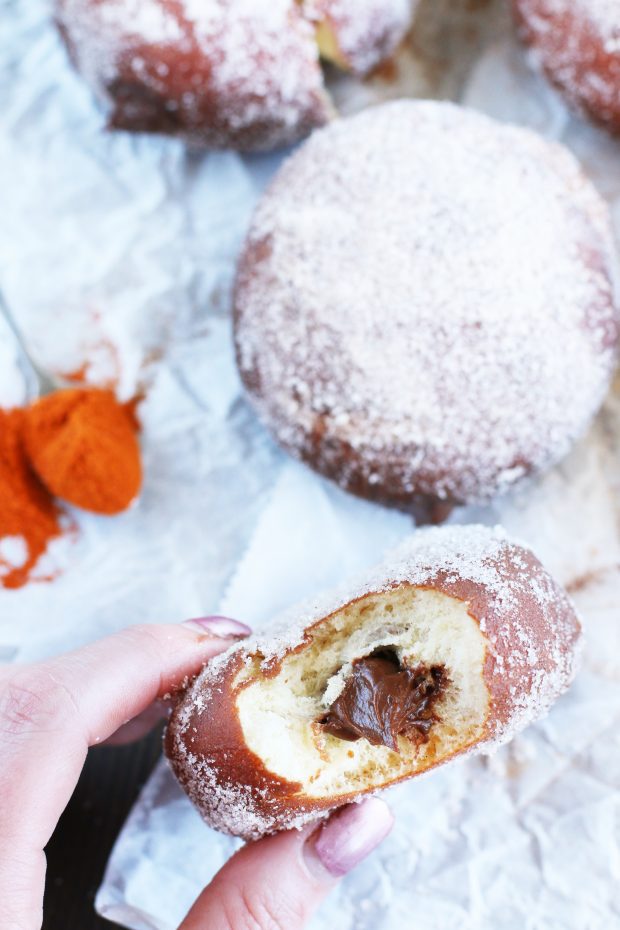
[{"x": 116, "y": 258}]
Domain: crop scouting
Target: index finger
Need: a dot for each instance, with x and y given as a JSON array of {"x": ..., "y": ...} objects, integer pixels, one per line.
[{"x": 51, "y": 712}]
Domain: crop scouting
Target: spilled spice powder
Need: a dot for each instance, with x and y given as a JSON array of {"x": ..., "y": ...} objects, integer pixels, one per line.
[
  {"x": 78, "y": 444},
  {"x": 27, "y": 511},
  {"x": 83, "y": 445}
]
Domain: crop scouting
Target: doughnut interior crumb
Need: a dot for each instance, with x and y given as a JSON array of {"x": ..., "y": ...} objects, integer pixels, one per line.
[
  {"x": 278, "y": 712},
  {"x": 328, "y": 47}
]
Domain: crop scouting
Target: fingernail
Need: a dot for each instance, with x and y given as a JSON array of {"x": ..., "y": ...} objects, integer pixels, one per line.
[
  {"x": 350, "y": 835},
  {"x": 222, "y": 627}
]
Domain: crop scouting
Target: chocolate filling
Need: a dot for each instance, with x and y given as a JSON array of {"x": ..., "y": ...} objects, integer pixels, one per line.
[{"x": 382, "y": 700}]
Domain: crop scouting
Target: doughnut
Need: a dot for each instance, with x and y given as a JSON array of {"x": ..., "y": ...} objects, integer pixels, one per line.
[
  {"x": 577, "y": 45},
  {"x": 357, "y": 35},
  {"x": 241, "y": 74},
  {"x": 424, "y": 307},
  {"x": 457, "y": 641}
]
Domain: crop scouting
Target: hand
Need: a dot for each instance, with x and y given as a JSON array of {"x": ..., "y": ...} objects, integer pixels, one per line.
[{"x": 51, "y": 712}]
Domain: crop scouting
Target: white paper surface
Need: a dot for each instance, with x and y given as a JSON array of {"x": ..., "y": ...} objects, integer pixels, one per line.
[{"x": 118, "y": 251}]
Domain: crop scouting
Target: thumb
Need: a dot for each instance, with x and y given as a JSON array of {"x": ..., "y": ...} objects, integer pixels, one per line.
[{"x": 276, "y": 883}]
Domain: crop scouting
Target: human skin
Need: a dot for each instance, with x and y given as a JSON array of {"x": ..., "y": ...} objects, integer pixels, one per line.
[{"x": 111, "y": 690}]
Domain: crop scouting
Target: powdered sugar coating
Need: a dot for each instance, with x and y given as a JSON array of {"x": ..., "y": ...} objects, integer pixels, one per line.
[
  {"x": 425, "y": 304},
  {"x": 240, "y": 73},
  {"x": 244, "y": 74},
  {"x": 604, "y": 13},
  {"x": 367, "y": 31},
  {"x": 577, "y": 43},
  {"x": 532, "y": 651}
]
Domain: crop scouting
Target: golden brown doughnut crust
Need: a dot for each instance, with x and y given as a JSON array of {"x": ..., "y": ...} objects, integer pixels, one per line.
[
  {"x": 238, "y": 75},
  {"x": 576, "y": 43},
  {"x": 242, "y": 74},
  {"x": 532, "y": 634}
]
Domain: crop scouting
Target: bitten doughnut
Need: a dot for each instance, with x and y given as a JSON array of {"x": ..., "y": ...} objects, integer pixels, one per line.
[
  {"x": 577, "y": 44},
  {"x": 424, "y": 307},
  {"x": 457, "y": 641},
  {"x": 243, "y": 74}
]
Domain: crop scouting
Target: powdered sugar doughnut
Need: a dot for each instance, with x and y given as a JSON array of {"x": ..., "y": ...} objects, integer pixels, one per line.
[
  {"x": 358, "y": 35},
  {"x": 225, "y": 73},
  {"x": 577, "y": 43},
  {"x": 457, "y": 641},
  {"x": 424, "y": 309}
]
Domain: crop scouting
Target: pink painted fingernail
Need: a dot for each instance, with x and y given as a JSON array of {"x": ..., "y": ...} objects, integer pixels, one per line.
[
  {"x": 222, "y": 627},
  {"x": 350, "y": 835}
]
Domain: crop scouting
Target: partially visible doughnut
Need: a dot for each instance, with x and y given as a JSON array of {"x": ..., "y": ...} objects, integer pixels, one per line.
[
  {"x": 455, "y": 643},
  {"x": 577, "y": 44},
  {"x": 424, "y": 305},
  {"x": 243, "y": 74},
  {"x": 357, "y": 35}
]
